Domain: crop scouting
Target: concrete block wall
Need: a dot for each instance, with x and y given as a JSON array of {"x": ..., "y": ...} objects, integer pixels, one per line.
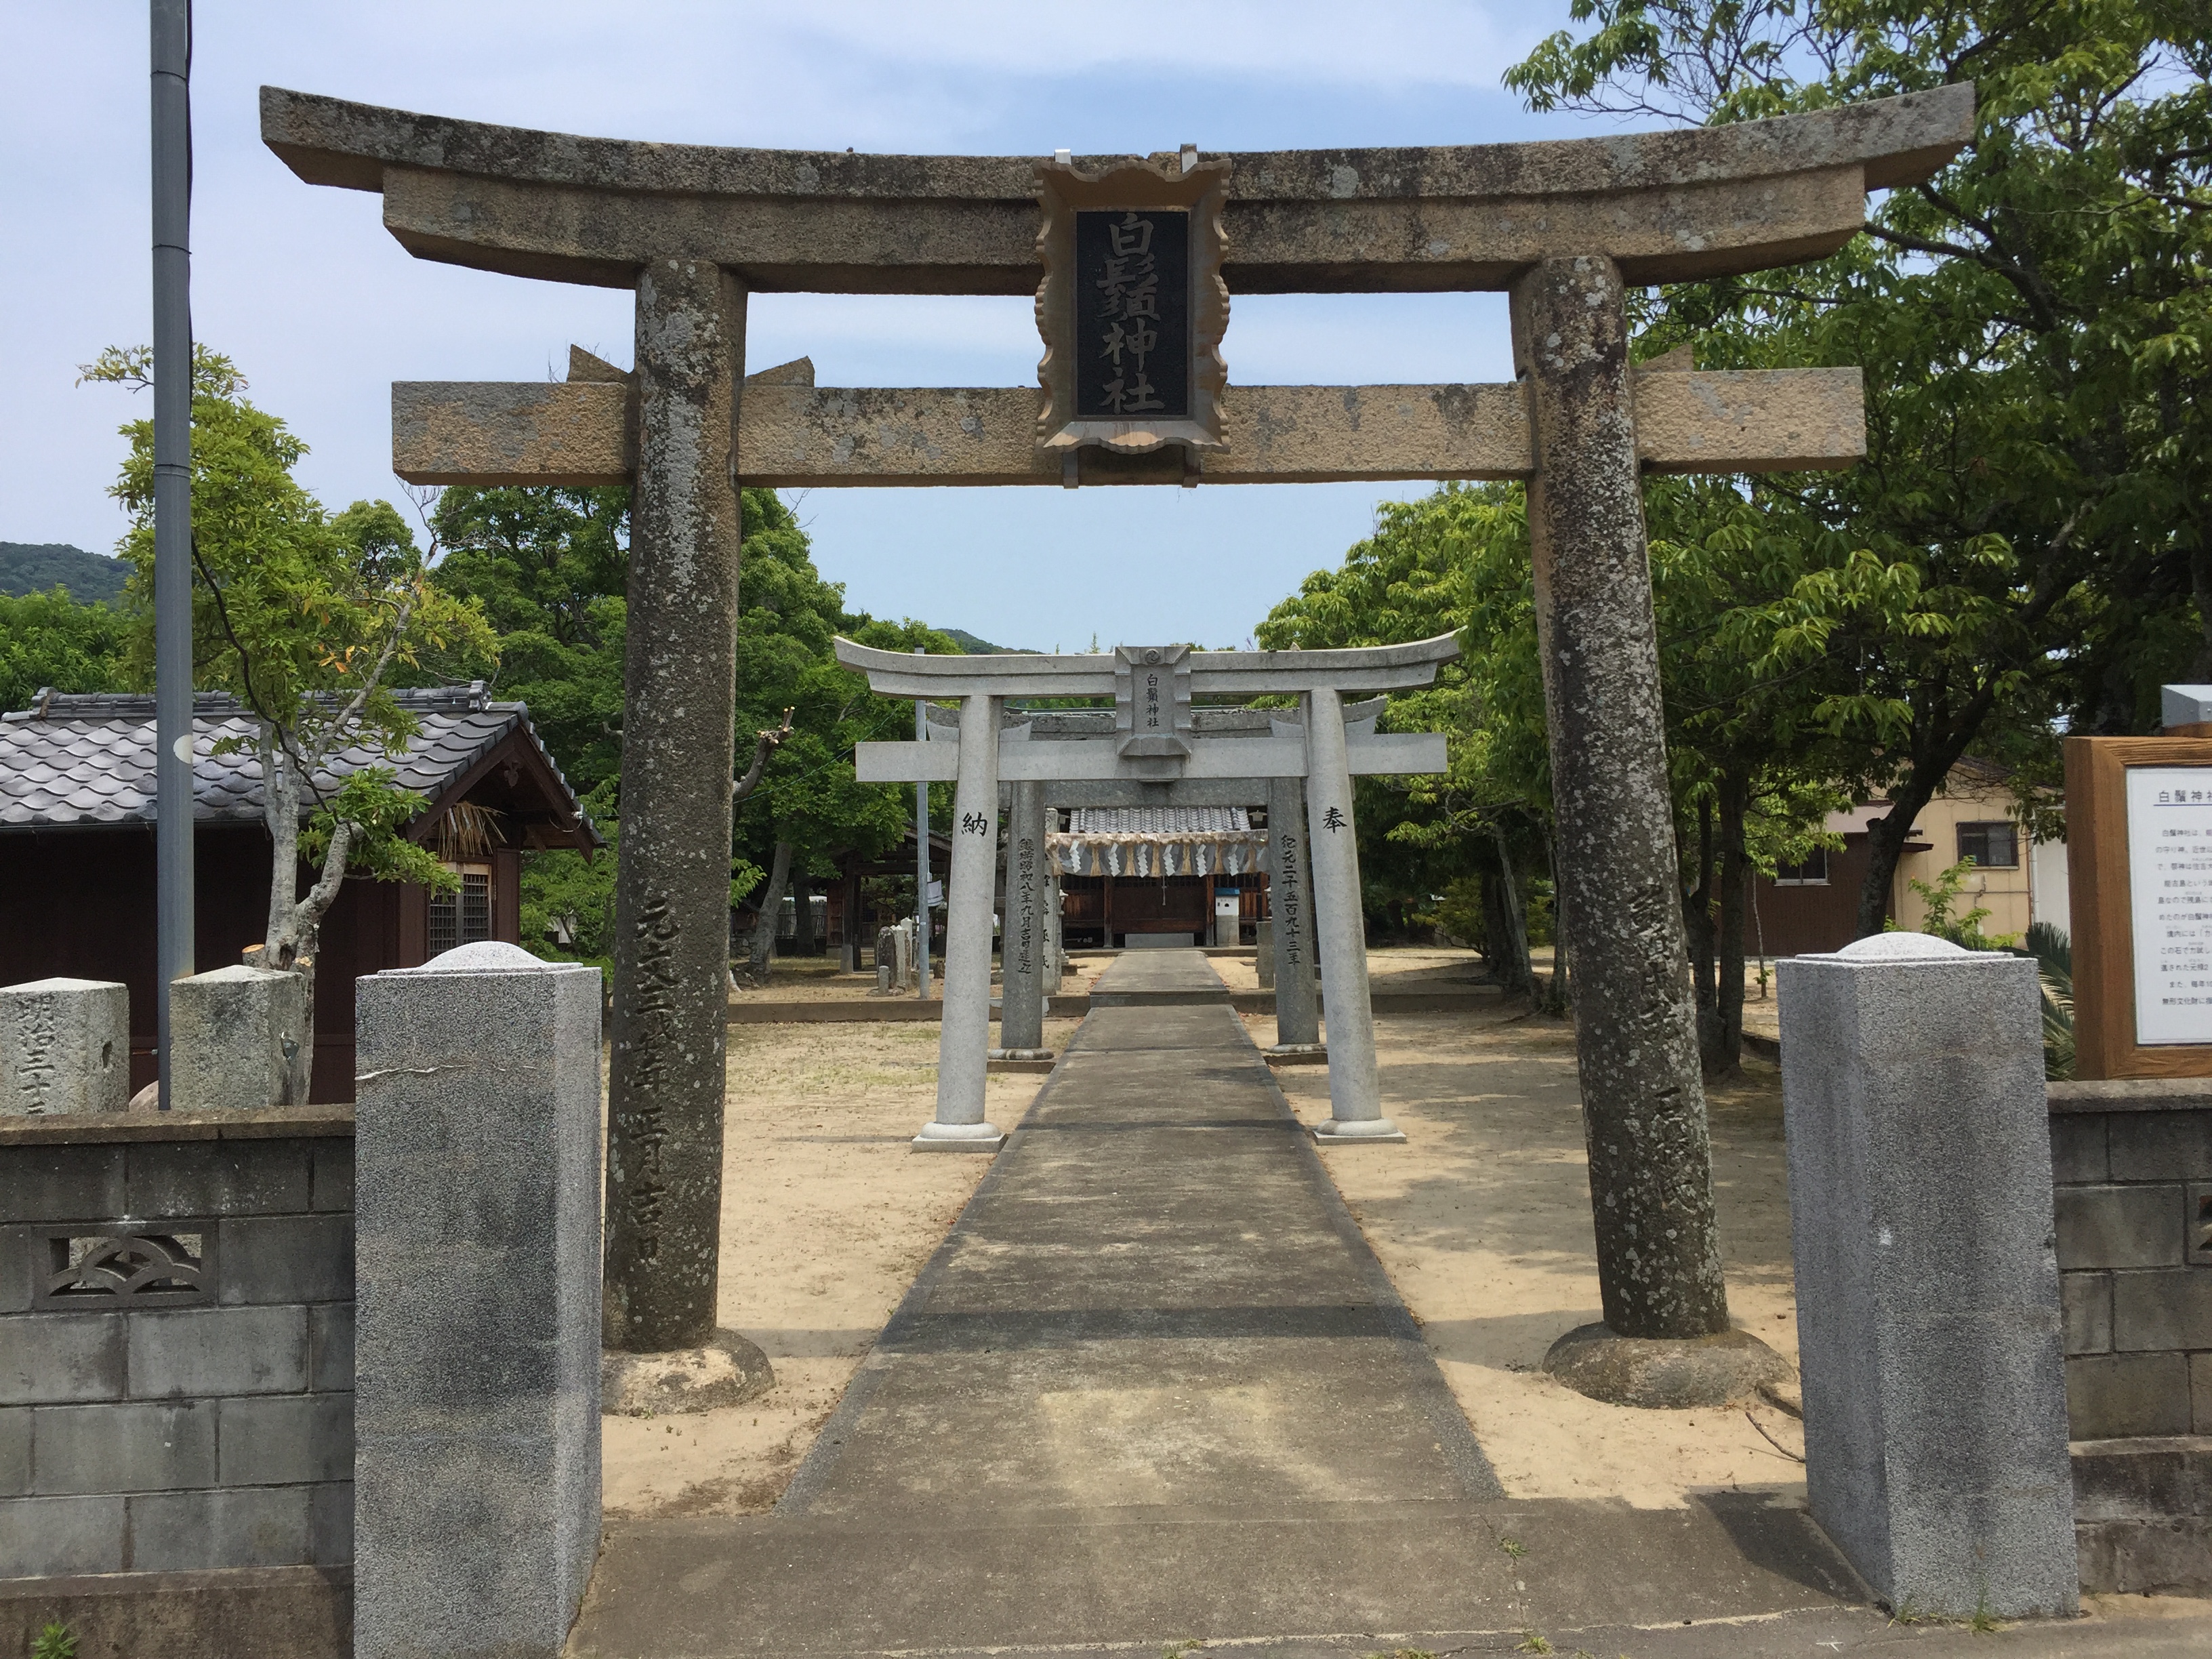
[
  {"x": 2131, "y": 1165},
  {"x": 184, "y": 1403}
]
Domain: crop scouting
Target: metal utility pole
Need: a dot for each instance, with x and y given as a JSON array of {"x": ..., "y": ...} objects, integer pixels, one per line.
[
  {"x": 922, "y": 850},
  {"x": 172, "y": 23}
]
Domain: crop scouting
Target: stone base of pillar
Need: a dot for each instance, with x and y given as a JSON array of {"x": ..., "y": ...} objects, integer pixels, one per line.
[
  {"x": 1296, "y": 1053},
  {"x": 959, "y": 1138},
  {"x": 1361, "y": 1132},
  {"x": 728, "y": 1371},
  {"x": 1662, "y": 1373},
  {"x": 1021, "y": 1054}
]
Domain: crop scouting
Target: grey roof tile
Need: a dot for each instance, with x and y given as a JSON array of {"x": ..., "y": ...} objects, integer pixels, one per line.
[{"x": 89, "y": 759}]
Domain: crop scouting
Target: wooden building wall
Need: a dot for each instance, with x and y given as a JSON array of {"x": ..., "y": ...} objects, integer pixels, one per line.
[{"x": 79, "y": 904}]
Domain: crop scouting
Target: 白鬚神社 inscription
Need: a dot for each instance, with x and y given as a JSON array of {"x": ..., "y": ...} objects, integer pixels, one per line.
[
  {"x": 2170, "y": 881},
  {"x": 1132, "y": 306},
  {"x": 1566, "y": 228}
]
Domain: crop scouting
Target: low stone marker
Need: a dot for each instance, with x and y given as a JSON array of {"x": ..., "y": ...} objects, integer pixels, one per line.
[
  {"x": 477, "y": 1493},
  {"x": 227, "y": 1046},
  {"x": 1928, "y": 1304},
  {"x": 64, "y": 1047}
]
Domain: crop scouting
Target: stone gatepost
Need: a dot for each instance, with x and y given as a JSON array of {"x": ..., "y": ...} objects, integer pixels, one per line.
[
  {"x": 477, "y": 1267},
  {"x": 1298, "y": 1011},
  {"x": 672, "y": 881},
  {"x": 1928, "y": 1308},
  {"x": 64, "y": 1047},
  {"x": 1022, "y": 938}
]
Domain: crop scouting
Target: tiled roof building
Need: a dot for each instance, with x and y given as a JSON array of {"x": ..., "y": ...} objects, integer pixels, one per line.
[{"x": 77, "y": 862}]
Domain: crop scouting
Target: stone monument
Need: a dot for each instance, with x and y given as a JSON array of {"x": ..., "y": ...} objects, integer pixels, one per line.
[{"x": 64, "y": 1047}]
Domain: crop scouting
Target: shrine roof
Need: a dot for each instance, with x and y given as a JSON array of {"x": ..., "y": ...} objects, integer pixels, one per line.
[{"x": 85, "y": 760}]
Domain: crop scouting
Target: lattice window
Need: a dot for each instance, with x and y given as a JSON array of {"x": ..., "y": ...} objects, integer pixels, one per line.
[
  {"x": 170, "y": 1263},
  {"x": 463, "y": 917}
]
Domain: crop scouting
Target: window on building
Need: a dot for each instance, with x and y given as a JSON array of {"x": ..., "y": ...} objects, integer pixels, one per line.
[
  {"x": 1991, "y": 846},
  {"x": 462, "y": 917},
  {"x": 1812, "y": 873}
]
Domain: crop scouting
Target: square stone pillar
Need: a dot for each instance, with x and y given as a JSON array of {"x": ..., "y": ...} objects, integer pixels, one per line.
[
  {"x": 64, "y": 1047},
  {"x": 229, "y": 1034},
  {"x": 1290, "y": 882},
  {"x": 1927, "y": 1306},
  {"x": 477, "y": 1263},
  {"x": 1022, "y": 937}
]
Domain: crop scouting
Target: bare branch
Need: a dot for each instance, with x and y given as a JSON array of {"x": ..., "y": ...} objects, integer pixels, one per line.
[{"x": 769, "y": 741}]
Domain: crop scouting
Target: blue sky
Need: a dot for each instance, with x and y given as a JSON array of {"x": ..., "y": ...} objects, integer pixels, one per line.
[{"x": 322, "y": 310}]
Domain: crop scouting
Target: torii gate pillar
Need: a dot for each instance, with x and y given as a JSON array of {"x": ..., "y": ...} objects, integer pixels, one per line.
[
  {"x": 663, "y": 1214},
  {"x": 1635, "y": 1047}
]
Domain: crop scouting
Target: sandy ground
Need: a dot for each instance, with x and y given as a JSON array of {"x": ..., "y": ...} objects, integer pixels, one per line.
[
  {"x": 816, "y": 979},
  {"x": 827, "y": 1217},
  {"x": 1483, "y": 1222}
]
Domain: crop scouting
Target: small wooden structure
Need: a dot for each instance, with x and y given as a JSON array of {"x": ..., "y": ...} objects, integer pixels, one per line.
[
  {"x": 1155, "y": 871},
  {"x": 76, "y": 848}
]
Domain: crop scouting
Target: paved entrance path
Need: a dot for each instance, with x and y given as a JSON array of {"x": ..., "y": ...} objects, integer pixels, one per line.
[{"x": 1156, "y": 1386}]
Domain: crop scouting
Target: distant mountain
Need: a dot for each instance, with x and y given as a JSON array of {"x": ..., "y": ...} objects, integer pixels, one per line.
[
  {"x": 34, "y": 567},
  {"x": 977, "y": 646}
]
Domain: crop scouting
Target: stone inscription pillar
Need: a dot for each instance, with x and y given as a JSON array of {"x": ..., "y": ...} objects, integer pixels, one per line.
[
  {"x": 1643, "y": 1101},
  {"x": 672, "y": 883},
  {"x": 1022, "y": 936},
  {"x": 964, "y": 1037},
  {"x": 1355, "y": 1088},
  {"x": 1297, "y": 1013}
]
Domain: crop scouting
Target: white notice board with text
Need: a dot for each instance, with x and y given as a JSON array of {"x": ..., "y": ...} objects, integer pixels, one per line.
[{"x": 2170, "y": 902}]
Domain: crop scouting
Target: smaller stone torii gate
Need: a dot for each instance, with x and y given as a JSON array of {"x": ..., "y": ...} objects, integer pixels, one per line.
[
  {"x": 1156, "y": 739},
  {"x": 1566, "y": 227},
  {"x": 1032, "y": 904}
]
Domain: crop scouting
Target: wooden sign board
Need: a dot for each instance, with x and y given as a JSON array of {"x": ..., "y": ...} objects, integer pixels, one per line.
[
  {"x": 1133, "y": 306},
  {"x": 2139, "y": 867}
]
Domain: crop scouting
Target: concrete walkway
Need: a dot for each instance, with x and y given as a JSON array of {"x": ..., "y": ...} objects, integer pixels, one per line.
[{"x": 1156, "y": 1387}]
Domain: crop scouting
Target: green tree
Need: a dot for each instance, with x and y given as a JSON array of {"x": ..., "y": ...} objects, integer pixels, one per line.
[
  {"x": 305, "y": 617},
  {"x": 2026, "y": 540},
  {"x": 49, "y": 640},
  {"x": 550, "y": 567}
]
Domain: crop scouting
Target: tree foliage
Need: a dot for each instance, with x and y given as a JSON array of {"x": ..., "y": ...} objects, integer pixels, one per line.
[
  {"x": 305, "y": 617},
  {"x": 550, "y": 566},
  {"x": 2025, "y": 545},
  {"x": 49, "y": 640}
]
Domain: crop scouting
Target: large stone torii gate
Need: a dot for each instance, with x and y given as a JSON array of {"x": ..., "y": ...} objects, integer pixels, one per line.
[{"x": 1563, "y": 227}]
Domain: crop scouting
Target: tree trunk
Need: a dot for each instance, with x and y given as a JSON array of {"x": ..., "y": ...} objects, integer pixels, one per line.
[
  {"x": 288, "y": 943},
  {"x": 1697, "y": 923},
  {"x": 771, "y": 913},
  {"x": 1735, "y": 884},
  {"x": 1516, "y": 932},
  {"x": 2199, "y": 582}
]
